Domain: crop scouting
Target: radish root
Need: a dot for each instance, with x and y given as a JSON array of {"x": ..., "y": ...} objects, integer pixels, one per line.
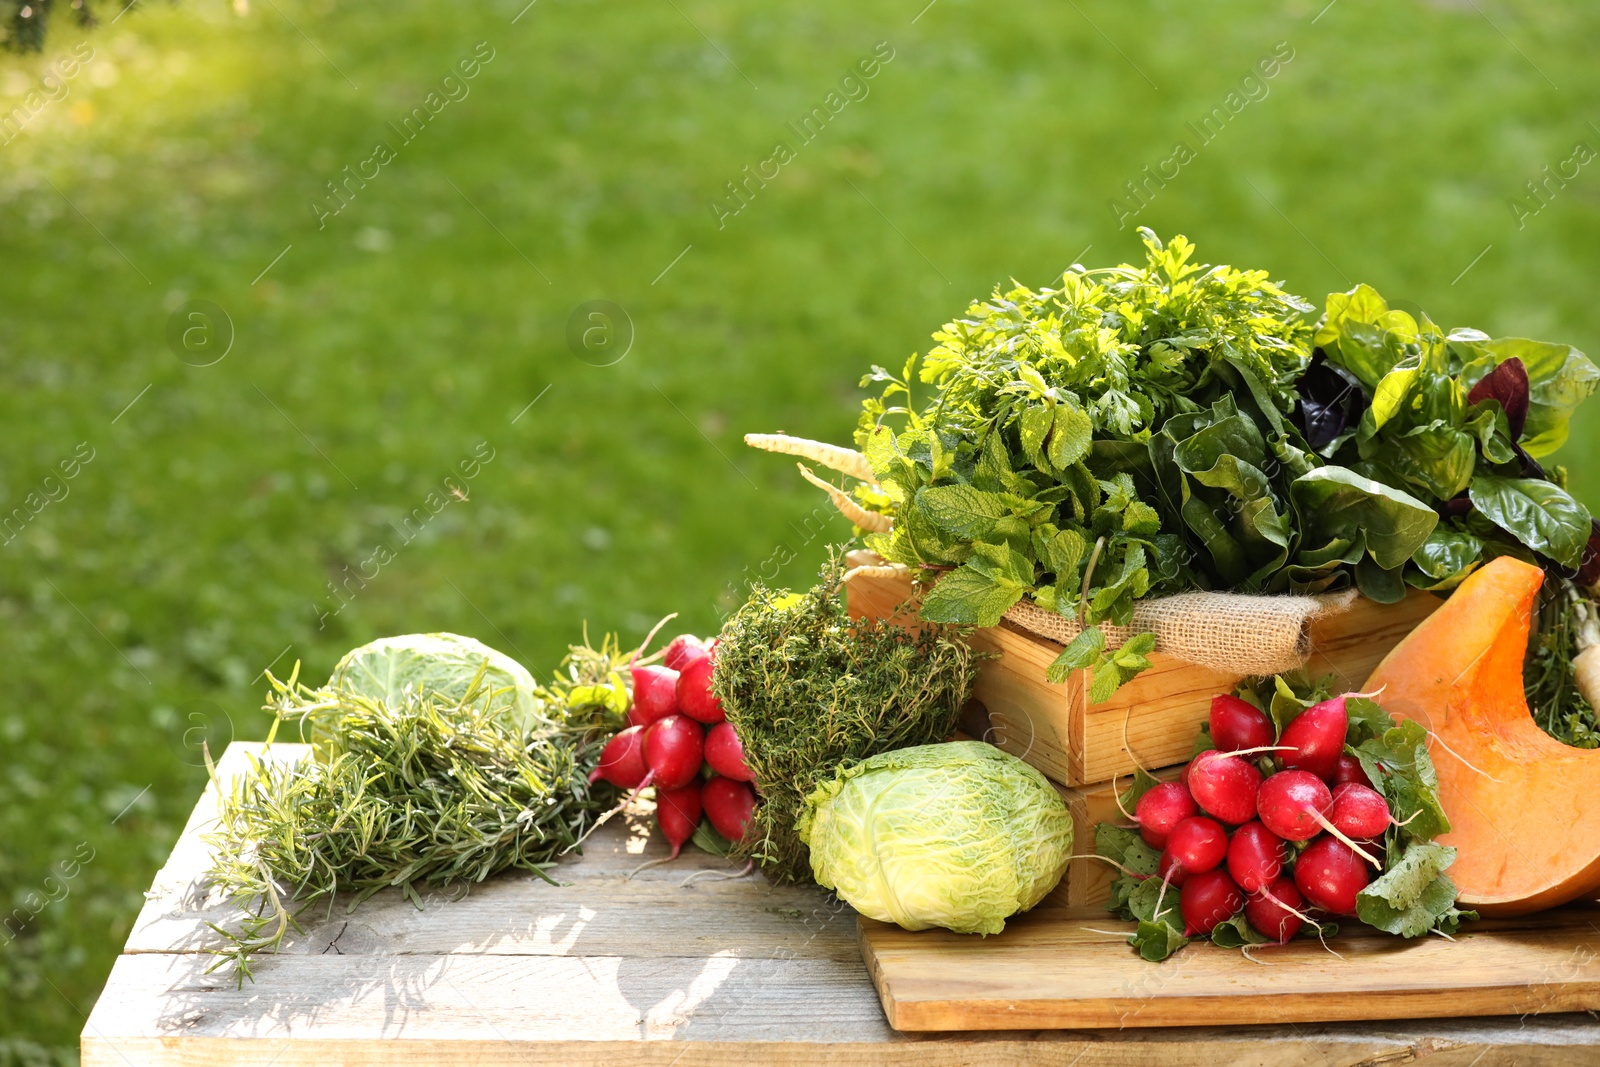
[
  {"x": 647, "y": 864},
  {"x": 720, "y": 876},
  {"x": 867, "y": 520},
  {"x": 1462, "y": 758},
  {"x": 1129, "y": 871},
  {"x": 1322, "y": 820},
  {"x": 834, "y": 457}
]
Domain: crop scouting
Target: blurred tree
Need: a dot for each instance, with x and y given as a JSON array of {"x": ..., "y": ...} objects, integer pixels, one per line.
[{"x": 26, "y": 21}]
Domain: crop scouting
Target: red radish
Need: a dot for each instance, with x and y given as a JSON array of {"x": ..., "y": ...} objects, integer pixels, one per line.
[
  {"x": 730, "y": 806},
  {"x": 683, "y": 650},
  {"x": 655, "y": 694},
  {"x": 622, "y": 760},
  {"x": 695, "y": 698},
  {"x": 1269, "y": 910},
  {"x": 1359, "y": 810},
  {"x": 1330, "y": 874},
  {"x": 1170, "y": 870},
  {"x": 678, "y": 814},
  {"x": 1207, "y": 899},
  {"x": 1161, "y": 808},
  {"x": 725, "y": 753},
  {"x": 1256, "y": 857},
  {"x": 672, "y": 750},
  {"x": 1349, "y": 769},
  {"x": 1290, "y": 803},
  {"x": 1314, "y": 741},
  {"x": 1224, "y": 785},
  {"x": 1197, "y": 844},
  {"x": 1236, "y": 724}
]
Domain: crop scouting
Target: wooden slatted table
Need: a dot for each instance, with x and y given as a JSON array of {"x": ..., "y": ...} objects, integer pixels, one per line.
[{"x": 602, "y": 970}]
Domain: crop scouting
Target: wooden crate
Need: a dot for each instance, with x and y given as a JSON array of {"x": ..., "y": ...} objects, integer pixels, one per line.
[{"x": 1157, "y": 714}]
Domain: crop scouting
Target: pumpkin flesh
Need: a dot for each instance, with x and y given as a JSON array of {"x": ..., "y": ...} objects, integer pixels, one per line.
[{"x": 1524, "y": 808}]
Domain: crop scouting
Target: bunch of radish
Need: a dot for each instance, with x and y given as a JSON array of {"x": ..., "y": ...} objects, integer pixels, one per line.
[
  {"x": 679, "y": 741},
  {"x": 1285, "y": 829}
]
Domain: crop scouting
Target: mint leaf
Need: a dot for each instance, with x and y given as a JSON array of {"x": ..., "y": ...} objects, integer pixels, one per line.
[
  {"x": 969, "y": 597},
  {"x": 1081, "y": 652},
  {"x": 962, "y": 510},
  {"x": 1070, "y": 436}
]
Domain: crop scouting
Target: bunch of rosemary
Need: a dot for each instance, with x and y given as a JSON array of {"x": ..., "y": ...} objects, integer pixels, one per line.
[
  {"x": 807, "y": 689},
  {"x": 425, "y": 789}
]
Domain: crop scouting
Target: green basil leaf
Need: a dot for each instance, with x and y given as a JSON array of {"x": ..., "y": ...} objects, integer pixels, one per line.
[{"x": 1538, "y": 513}]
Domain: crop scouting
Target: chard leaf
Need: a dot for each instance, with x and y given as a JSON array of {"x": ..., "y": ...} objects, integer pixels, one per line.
[
  {"x": 1337, "y": 502},
  {"x": 1538, "y": 513}
]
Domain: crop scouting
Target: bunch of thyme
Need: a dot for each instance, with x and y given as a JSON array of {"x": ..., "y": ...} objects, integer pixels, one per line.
[
  {"x": 808, "y": 688},
  {"x": 429, "y": 790}
]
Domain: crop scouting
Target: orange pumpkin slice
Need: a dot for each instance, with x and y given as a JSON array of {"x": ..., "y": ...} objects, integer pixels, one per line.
[{"x": 1524, "y": 808}]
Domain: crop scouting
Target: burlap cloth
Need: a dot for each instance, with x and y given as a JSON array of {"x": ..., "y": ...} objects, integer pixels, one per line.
[{"x": 1230, "y": 632}]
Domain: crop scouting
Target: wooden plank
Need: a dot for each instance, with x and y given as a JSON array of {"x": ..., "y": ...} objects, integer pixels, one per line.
[
  {"x": 501, "y": 985},
  {"x": 162, "y": 1011},
  {"x": 1072, "y": 968},
  {"x": 1152, "y": 720}
]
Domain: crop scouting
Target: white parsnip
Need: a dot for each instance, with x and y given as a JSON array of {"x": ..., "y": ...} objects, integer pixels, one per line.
[
  {"x": 834, "y": 457},
  {"x": 877, "y": 570},
  {"x": 1586, "y": 664},
  {"x": 867, "y": 520}
]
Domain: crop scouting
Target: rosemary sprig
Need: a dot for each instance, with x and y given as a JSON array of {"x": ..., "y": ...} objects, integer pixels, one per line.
[{"x": 431, "y": 790}]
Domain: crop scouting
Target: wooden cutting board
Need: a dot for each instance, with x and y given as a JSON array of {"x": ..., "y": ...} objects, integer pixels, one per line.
[{"x": 1066, "y": 968}]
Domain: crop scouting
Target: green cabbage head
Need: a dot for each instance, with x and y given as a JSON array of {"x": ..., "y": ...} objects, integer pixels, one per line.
[
  {"x": 438, "y": 663},
  {"x": 958, "y": 835}
]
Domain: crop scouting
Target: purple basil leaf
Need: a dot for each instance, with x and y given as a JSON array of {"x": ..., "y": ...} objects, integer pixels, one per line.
[
  {"x": 1457, "y": 508},
  {"x": 1331, "y": 401},
  {"x": 1507, "y": 383}
]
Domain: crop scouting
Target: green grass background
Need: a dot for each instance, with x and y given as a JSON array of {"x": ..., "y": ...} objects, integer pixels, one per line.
[{"x": 137, "y": 613}]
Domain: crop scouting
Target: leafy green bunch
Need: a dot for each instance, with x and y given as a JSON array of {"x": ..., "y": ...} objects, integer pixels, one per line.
[
  {"x": 421, "y": 788},
  {"x": 1458, "y": 419},
  {"x": 1410, "y": 898},
  {"x": 1019, "y": 474}
]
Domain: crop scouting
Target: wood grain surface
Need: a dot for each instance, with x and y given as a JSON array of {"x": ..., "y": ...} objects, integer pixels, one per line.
[
  {"x": 1072, "y": 967},
  {"x": 604, "y": 970}
]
